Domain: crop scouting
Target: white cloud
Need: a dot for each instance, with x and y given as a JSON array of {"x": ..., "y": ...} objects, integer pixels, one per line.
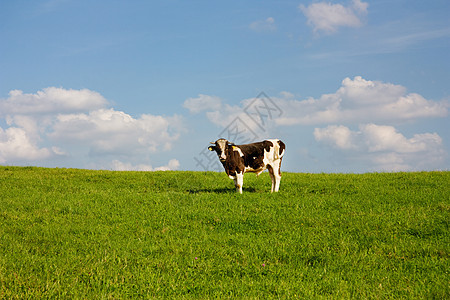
[
  {"x": 107, "y": 131},
  {"x": 384, "y": 147},
  {"x": 225, "y": 115},
  {"x": 171, "y": 166},
  {"x": 30, "y": 116},
  {"x": 50, "y": 101},
  {"x": 340, "y": 137},
  {"x": 327, "y": 17},
  {"x": 266, "y": 25},
  {"x": 202, "y": 103},
  {"x": 121, "y": 166},
  {"x": 287, "y": 95},
  {"x": 359, "y": 100},
  {"x": 386, "y": 138},
  {"x": 77, "y": 123},
  {"x": 15, "y": 145}
]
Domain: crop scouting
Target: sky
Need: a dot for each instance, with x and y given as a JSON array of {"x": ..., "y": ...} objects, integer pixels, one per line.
[{"x": 350, "y": 86}]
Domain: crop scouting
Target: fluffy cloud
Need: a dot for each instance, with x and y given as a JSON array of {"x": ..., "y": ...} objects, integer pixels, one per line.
[
  {"x": 50, "y": 101},
  {"x": 107, "y": 131},
  {"x": 359, "y": 100},
  {"x": 266, "y": 25},
  {"x": 78, "y": 119},
  {"x": 340, "y": 137},
  {"x": 384, "y": 147},
  {"x": 327, "y": 17},
  {"x": 386, "y": 138},
  {"x": 15, "y": 146}
]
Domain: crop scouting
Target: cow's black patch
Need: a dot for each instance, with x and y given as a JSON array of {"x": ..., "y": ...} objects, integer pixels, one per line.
[
  {"x": 254, "y": 154},
  {"x": 282, "y": 147}
]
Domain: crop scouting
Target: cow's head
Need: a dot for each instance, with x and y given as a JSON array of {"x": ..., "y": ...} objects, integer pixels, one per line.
[{"x": 220, "y": 146}]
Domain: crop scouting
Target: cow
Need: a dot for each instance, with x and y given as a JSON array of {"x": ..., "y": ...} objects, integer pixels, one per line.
[{"x": 255, "y": 158}]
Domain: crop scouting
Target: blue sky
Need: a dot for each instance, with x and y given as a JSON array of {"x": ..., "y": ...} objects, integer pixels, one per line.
[{"x": 348, "y": 85}]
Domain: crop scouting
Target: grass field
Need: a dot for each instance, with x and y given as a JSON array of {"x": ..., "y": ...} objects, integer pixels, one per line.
[{"x": 100, "y": 234}]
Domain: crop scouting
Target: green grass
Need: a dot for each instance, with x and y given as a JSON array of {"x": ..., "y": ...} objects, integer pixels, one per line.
[{"x": 99, "y": 234}]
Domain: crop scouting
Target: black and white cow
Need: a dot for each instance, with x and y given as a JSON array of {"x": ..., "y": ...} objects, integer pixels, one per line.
[{"x": 255, "y": 157}]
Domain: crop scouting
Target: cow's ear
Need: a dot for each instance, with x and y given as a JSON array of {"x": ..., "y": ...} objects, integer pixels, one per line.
[
  {"x": 231, "y": 144},
  {"x": 210, "y": 148}
]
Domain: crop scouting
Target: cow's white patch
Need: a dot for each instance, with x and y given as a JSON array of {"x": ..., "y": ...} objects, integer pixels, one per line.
[
  {"x": 238, "y": 150},
  {"x": 274, "y": 152},
  {"x": 222, "y": 146},
  {"x": 269, "y": 155}
]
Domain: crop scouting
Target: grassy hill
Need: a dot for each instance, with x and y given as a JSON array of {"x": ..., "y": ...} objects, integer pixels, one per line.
[{"x": 100, "y": 234}]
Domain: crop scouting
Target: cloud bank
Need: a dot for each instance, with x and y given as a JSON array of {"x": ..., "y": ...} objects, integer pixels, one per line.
[
  {"x": 359, "y": 100},
  {"x": 357, "y": 123},
  {"x": 372, "y": 106},
  {"x": 51, "y": 100},
  {"x": 57, "y": 123},
  {"x": 384, "y": 148}
]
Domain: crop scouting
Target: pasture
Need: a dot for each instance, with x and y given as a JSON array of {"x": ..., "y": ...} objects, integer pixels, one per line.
[{"x": 68, "y": 233}]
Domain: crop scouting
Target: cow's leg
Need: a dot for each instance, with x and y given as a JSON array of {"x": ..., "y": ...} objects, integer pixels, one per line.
[
  {"x": 277, "y": 174},
  {"x": 277, "y": 181},
  {"x": 235, "y": 181},
  {"x": 239, "y": 182},
  {"x": 272, "y": 176}
]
